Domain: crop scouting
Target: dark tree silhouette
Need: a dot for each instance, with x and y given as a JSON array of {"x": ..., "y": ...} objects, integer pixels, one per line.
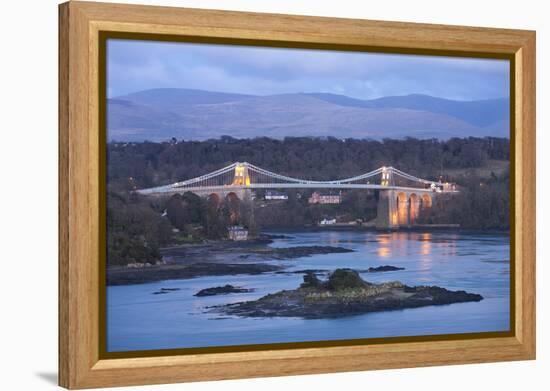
[{"x": 137, "y": 228}]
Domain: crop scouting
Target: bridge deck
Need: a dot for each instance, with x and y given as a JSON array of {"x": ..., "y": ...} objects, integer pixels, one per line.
[
  {"x": 245, "y": 176},
  {"x": 202, "y": 189}
]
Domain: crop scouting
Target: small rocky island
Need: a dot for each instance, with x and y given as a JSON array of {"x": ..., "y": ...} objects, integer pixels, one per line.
[
  {"x": 384, "y": 268},
  {"x": 344, "y": 293},
  {"x": 222, "y": 290}
]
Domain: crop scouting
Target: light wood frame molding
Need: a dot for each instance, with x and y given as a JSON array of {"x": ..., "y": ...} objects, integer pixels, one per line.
[{"x": 80, "y": 362}]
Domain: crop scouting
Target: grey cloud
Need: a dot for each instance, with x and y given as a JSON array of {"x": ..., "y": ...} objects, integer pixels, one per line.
[{"x": 138, "y": 65}]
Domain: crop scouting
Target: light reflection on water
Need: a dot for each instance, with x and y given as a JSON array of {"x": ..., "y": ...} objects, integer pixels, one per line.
[{"x": 478, "y": 263}]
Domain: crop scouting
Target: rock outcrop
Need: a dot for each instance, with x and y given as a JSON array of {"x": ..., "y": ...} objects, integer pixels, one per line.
[
  {"x": 222, "y": 290},
  {"x": 344, "y": 293},
  {"x": 385, "y": 268}
]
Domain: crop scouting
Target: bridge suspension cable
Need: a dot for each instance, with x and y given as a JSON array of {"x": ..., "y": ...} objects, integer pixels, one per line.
[
  {"x": 281, "y": 177},
  {"x": 205, "y": 177},
  {"x": 367, "y": 175},
  {"x": 410, "y": 177},
  {"x": 248, "y": 175}
]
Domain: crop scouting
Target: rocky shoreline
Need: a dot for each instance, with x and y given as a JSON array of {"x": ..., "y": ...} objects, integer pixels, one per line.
[
  {"x": 344, "y": 293},
  {"x": 129, "y": 276},
  {"x": 298, "y": 251},
  {"x": 254, "y": 250},
  {"x": 227, "y": 258}
]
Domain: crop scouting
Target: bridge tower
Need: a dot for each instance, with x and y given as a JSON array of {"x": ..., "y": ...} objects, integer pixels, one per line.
[
  {"x": 241, "y": 176},
  {"x": 387, "y": 213},
  {"x": 387, "y": 177}
]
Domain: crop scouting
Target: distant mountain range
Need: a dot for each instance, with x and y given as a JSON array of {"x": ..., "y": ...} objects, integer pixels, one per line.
[{"x": 160, "y": 114}]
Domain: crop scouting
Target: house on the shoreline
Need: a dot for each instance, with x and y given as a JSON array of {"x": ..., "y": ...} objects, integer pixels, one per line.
[
  {"x": 275, "y": 195},
  {"x": 237, "y": 232},
  {"x": 318, "y": 198}
]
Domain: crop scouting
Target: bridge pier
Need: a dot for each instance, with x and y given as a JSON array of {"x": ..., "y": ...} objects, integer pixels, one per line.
[
  {"x": 386, "y": 217},
  {"x": 397, "y": 208},
  {"x": 241, "y": 193}
]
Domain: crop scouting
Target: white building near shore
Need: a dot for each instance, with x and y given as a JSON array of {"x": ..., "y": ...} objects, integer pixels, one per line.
[
  {"x": 237, "y": 233},
  {"x": 275, "y": 195}
]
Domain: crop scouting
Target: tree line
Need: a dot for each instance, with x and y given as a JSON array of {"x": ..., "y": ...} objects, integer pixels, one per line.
[
  {"x": 482, "y": 203},
  {"x": 150, "y": 164},
  {"x": 137, "y": 227}
]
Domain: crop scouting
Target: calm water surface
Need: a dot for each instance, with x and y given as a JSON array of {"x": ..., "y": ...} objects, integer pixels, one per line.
[{"x": 477, "y": 263}]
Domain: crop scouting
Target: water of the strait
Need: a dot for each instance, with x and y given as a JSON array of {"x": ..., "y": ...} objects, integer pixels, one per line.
[{"x": 474, "y": 262}]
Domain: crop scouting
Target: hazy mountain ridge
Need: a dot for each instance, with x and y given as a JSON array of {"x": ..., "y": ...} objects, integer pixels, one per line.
[{"x": 160, "y": 114}]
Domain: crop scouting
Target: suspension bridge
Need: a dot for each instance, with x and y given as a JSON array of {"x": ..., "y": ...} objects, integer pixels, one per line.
[{"x": 401, "y": 195}]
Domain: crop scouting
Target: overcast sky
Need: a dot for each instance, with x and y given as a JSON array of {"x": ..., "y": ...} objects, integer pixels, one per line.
[{"x": 139, "y": 65}]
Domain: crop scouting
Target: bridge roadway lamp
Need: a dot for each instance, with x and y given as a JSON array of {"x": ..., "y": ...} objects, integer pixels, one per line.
[{"x": 385, "y": 177}]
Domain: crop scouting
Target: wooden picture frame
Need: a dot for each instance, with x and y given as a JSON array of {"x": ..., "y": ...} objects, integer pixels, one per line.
[{"x": 81, "y": 364}]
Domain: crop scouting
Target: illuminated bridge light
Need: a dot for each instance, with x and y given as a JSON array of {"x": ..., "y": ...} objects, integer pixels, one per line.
[{"x": 241, "y": 177}]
